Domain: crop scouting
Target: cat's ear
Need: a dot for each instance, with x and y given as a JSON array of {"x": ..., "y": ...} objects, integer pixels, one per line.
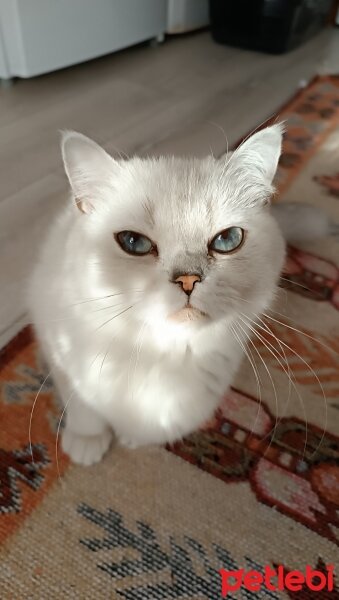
[
  {"x": 258, "y": 157},
  {"x": 264, "y": 149},
  {"x": 88, "y": 167}
]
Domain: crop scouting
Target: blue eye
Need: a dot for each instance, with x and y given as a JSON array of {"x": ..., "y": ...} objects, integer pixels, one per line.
[
  {"x": 134, "y": 243},
  {"x": 228, "y": 240}
]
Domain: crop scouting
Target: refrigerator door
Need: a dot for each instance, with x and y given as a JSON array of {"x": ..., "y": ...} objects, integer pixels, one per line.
[{"x": 39, "y": 36}]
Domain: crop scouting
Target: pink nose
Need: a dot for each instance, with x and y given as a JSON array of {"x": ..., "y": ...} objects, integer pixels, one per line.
[{"x": 187, "y": 282}]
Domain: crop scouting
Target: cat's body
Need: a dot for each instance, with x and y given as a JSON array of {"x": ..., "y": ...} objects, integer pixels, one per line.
[{"x": 131, "y": 348}]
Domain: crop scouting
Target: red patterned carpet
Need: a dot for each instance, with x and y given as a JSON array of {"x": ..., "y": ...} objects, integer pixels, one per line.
[{"x": 258, "y": 486}]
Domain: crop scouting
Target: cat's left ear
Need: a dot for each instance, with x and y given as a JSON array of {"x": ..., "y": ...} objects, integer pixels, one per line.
[
  {"x": 88, "y": 167},
  {"x": 259, "y": 155}
]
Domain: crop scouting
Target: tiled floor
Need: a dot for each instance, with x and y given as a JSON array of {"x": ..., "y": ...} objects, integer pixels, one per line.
[{"x": 182, "y": 97}]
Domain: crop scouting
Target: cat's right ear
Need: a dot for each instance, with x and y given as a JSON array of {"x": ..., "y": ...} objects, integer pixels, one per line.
[{"x": 88, "y": 167}]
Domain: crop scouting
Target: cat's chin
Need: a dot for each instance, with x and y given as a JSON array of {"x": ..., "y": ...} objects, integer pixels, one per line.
[{"x": 187, "y": 314}]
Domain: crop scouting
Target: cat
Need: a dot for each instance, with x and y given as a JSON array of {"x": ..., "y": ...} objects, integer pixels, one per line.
[{"x": 139, "y": 294}]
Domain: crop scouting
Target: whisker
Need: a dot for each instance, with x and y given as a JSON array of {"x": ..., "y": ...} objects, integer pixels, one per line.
[
  {"x": 290, "y": 374},
  {"x": 97, "y": 299},
  {"x": 72, "y": 317},
  {"x": 285, "y": 324},
  {"x": 105, "y": 356},
  {"x": 239, "y": 299},
  {"x": 224, "y": 134},
  {"x": 283, "y": 355},
  {"x": 103, "y": 361},
  {"x": 302, "y": 333},
  {"x": 58, "y": 433},
  {"x": 287, "y": 372},
  {"x": 272, "y": 382},
  {"x": 301, "y": 285},
  {"x": 141, "y": 330},
  {"x": 106, "y": 307},
  {"x": 320, "y": 386},
  {"x": 251, "y": 361},
  {"x": 115, "y": 316},
  {"x": 31, "y": 415}
]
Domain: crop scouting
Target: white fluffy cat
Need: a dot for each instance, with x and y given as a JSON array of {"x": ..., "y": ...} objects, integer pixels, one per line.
[{"x": 141, "y": 282}]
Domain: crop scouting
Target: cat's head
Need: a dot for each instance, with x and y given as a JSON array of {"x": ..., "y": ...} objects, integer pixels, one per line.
[{"x": 179, "y": 240}]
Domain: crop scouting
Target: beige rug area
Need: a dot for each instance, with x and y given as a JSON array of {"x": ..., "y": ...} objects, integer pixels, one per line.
[{"x": 258, "y": 487}]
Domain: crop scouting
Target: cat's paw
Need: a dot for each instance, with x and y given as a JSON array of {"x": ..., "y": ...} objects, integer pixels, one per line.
[{"x": 83, "y": 449}]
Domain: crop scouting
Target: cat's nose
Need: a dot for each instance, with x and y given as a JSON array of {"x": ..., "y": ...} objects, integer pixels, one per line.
[{"x": 187, "y": 282}]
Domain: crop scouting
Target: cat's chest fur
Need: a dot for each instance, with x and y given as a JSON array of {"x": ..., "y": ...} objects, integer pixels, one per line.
[{"x": 151, "y": 389}]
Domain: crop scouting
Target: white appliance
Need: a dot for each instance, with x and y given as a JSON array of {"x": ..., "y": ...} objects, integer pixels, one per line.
[
  {"x": 37, "y": 36},
  {"x": 186, "y": 15}
]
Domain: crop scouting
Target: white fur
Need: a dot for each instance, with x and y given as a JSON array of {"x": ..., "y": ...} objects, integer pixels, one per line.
[{"x": 122, "y": 363}]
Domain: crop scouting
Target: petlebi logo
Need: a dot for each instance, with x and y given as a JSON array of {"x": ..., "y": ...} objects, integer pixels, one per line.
[{"x": 278, "y": 579}]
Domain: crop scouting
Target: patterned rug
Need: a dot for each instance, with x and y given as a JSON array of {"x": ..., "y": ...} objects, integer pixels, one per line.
[{"x": 258, "y": 487}]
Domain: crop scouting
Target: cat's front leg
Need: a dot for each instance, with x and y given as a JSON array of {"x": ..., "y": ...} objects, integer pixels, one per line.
[
  {"x": 86, "y": 436},
  {"x": 85, "y": 449}
]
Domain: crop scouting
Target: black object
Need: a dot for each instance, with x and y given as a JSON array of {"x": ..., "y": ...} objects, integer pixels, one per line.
[{"x": 273, "y": 26}]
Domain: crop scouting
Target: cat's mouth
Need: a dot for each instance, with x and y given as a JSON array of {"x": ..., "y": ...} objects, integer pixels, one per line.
[{"x": 188, "y": 313}]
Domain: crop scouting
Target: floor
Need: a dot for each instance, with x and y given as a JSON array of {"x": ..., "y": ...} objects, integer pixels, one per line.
[{"x": 181, "y": 97}]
